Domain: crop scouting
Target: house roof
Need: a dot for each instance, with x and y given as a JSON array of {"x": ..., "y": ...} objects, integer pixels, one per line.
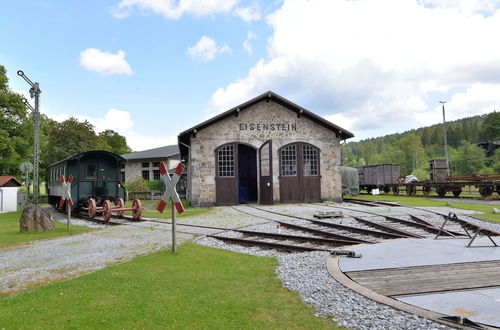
[
  {"x": 184, "y": 137},
  {"x": 9, "y": 179},
  {"x": 161, "y": 152}
]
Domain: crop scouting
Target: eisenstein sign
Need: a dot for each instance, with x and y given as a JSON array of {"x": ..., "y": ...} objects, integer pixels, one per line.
[{"x": 268, "y": 127}]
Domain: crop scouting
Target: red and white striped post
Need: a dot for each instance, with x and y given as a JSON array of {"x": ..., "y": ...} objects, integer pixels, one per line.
[
  {"x": 66, "y": 195},
  {"x": 171, "y": 193}
]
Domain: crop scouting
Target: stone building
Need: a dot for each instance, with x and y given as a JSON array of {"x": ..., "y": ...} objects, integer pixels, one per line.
[
  {"x": 266, "y": 150},
  {"x": 145, "y": 163}
]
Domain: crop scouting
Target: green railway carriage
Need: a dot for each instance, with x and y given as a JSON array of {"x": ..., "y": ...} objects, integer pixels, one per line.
[{"x": 96, "y": 174}]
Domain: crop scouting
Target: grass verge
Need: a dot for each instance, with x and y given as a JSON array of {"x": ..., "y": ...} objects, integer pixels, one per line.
[
  {"x": 10, "y": 234},
  {"x": 198, "y": 287},
  {"x": 151, "y": 212},
  {"x": 487, "y": 209}
]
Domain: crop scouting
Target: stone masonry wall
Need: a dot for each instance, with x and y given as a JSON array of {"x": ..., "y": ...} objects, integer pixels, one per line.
[{"x": 233, "y": 129}]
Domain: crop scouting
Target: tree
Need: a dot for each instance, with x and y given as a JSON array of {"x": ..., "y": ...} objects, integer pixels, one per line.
[
  {"x": 70, "y": 137},
  {"x": 469, "y": 159},
  {"x": 15, "y": 129},
  {"x": 115, "y": 142},
  {"x": 490, "y": 130},
  {"x": 411, "y": 145}
]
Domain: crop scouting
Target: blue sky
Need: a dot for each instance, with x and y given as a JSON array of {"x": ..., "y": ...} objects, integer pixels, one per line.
[{"x": 152, "y": 68}]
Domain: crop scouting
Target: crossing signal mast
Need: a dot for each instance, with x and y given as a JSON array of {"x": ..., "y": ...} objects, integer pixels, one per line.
[{"x": 34, "y": 93}]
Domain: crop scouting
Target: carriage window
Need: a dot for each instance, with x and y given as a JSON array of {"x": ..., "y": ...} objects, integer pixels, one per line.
[
  {"x": 226, "y": 161},
  {"x": 265, "y": 161},
  {"x": 145, "y": 175},
  {"x": 123, "y": 177},
  {"x": 91, "y": 171},
  {"x": 289, "y": 161},
  {"x": 310, "y": 160}
]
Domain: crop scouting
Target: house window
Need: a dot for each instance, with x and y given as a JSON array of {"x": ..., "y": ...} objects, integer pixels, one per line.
[
  {"x": 225, "y": 157},
  {"x": 145, "y": 175},
  {"x": 156, "y": 164},
  {"x": 145, "y": 164},
  {"x": 289, "y": 161},
  {"x": 310, "y": 160},
  {"x": 91, "y": 171},
  {"x": 156, "y": 174}
]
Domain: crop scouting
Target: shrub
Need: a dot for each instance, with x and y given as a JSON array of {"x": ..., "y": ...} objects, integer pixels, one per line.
[
  {"x": 135, "y": 185},
  {"x": 155, "y": 185}
]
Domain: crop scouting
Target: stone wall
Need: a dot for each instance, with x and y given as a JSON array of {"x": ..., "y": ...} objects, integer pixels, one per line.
[{"x": 277, "y": 123}]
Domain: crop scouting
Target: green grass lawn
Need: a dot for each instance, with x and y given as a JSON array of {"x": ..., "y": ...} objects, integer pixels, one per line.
[
  {"x": 196, "y": 288},
  {"x": 10, "y": 235},
  {"x": 422, "y": 201},
  {"x": 151, "y": 212}
]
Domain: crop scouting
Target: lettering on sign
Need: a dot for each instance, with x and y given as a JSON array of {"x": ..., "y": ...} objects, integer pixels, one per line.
[{"x": 268, "y": 127}]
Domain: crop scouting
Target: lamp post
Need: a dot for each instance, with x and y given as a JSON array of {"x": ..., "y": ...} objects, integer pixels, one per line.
[{"x": 445, "y": 140}]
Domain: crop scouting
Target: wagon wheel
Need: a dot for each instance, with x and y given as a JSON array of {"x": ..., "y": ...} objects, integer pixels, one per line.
[
  {"x": 395, "y": 190},
  {"x": 106, "y": 210},
  {"x": 457, "y": 192},
  {"x": 136, "y": 209},
  {"x": 426, "y": 190},
  {"x": 486, "y": 191},
  {"x": 369, "y": 190},
  {"x": 120, "y": 204},
  {"x": 91, "y": 208},
  {"x": 411, "y": 190},
  {"x": 441, "y": 192},
  {"x": 387, "y": 189}
]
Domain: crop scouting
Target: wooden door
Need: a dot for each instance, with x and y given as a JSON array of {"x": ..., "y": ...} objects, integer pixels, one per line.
[
  {"x": 300, "y": 179},
  {"x": 266, "y": 173},
  {"x": 226, "y": 168}
]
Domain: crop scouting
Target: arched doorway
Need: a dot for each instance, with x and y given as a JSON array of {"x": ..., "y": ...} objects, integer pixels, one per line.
[
  {"x": 300, "y": 179},
  {"x": 235, "y": 174}
]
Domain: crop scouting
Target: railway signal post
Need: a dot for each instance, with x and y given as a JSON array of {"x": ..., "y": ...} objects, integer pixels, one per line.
[
  {"x": 34, "y": 93},
  {"x": 66, "y": 195},
  {"x": 171, "y": 193}
]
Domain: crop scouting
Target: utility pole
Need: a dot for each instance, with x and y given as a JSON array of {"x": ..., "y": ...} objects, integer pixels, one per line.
[
  {"x": 34, "y": 93},
  {"x": 445, "y": 140}
]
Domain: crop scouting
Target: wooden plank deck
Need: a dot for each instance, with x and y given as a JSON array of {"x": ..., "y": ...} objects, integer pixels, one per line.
[{"x": 427, "y": 279}]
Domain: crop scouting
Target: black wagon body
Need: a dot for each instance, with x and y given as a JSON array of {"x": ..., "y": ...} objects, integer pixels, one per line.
[{"x": 96, "y": 174}]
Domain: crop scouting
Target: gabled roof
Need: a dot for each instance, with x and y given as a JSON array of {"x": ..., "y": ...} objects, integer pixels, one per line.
[
  {"x": 161, "y": 152},
  {"x": 184, "y": 137},
  {"x": 9, "y": 181}
]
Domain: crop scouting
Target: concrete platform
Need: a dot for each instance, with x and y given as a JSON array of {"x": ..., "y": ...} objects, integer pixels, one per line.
[{"x": 395, "y": 259}]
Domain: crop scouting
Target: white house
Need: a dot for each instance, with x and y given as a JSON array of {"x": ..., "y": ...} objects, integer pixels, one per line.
[{"x": 8, "y": 193}]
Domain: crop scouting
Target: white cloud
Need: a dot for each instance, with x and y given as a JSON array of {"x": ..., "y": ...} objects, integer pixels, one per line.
[
  {"x": 248, "y": 14},
  {"x": 469, "y": 7},
  {"x": 382, "y": 64},
  {"x": 106, "y": 63},
  {"x": 174, "y": 9},
  {"x": 206, "y": 48},
  {"x": 246, "y": 44}
]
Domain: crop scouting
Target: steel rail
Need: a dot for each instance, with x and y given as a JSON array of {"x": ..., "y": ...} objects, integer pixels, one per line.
[
  {"x": 297, "y": 237},
  {"x": 388, "y": 228},
  {"x": 334, "y": 225},
  {"x": 280, "y": 246}
]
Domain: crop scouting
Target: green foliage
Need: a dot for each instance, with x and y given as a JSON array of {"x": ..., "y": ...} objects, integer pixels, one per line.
[
  {"x": 469, "y": 159},
  {"x": 490, "y": 131},
  {"x": 157, "y": 185},
  {"x": 136, "y": 185},
  {"x": 112, "y": 141},
  {"x": 421, "y": 174}
]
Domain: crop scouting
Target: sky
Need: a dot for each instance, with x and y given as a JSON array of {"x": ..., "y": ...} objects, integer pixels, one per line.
[{"x": 150, "y": 69}]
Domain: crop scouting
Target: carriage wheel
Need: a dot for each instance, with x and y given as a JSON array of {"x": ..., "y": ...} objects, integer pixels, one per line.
[
  {"x": 486, "y": 191},
  {"x": 426, "y": 190},
  {"x": 136, "y": 209},
  {"x": 120, "y": 204},
  {"x": 395, "y": 190},
  {"x": 441, "y": 192},
  {"x": 106, "y": 210},
  {"x": 91, "y": 208},
  {"x": 411, "y": 190},
  {"x": 457, "y": 192}
]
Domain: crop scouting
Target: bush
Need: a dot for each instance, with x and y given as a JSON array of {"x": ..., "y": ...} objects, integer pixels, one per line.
[
  {"x": 135, "y": 185},
  {"x": 155, "y": 185}
]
